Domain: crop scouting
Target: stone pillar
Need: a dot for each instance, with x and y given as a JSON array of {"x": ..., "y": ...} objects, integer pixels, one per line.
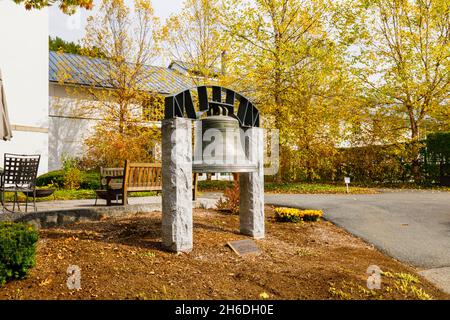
[
  {"x": 251, "y": 184},
  {"x": 177, "y": 184}
]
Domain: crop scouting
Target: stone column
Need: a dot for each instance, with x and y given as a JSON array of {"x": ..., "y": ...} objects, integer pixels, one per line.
[
  {"x": 177, "y": 184},
  {"x": 251, "y": 184}
]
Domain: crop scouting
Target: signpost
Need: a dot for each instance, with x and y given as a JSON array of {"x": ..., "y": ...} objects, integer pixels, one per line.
[{"x": 347, "y": 182}]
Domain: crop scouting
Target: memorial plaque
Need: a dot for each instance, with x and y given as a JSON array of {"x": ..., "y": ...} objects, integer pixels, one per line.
[{"x": 244, "y": 247}]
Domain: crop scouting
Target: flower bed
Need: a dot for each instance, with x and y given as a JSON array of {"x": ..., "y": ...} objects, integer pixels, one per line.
[{"x": 296, "y": 215}]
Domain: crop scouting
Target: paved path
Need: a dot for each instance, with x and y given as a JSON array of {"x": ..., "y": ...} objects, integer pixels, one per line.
[
  {"x": 52, "y": 213},
  {"x": 411, "y": 226},
  {"x": 87, "y": 203}
]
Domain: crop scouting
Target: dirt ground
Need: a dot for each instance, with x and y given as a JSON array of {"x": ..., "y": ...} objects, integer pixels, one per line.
[{"x": 122, "y": 258}]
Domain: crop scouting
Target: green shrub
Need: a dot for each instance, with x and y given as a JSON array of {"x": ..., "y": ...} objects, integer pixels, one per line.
[
  {"x": 72, "y": 179},
  {"x": 90, "y": 180},
  {"x": 72, "y": 173},
  {"x": 17, "y": 250},
  {"x": 437, "y": 158},
  {"x": 438, "y": 145},
  {"x": 56, "y": 177},
  {"x": 214, "y": 185}
]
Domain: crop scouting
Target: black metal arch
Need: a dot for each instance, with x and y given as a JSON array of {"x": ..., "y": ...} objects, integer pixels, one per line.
[{"x": 181, "y": 104}]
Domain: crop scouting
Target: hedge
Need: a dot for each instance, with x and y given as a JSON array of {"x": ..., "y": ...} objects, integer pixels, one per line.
[
  {"x": 89, "y": 179},
  {"x": 437, "y": 158},
  {"x": 438, "y": 145},
  {"x": 17, "y": 250},
  {"x": 214, "y": 185}
]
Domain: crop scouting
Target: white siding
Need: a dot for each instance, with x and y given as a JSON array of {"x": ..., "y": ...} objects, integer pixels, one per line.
[
  {"x": 66, "y": 134},
  {"x": 67, "y": 130}
]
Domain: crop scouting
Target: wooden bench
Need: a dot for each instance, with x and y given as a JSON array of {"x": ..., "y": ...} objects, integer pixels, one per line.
[
  {"x": 141, "y": 177},
  {"x": 107, "y": 187},
  {"x": 137, "y": 177}
]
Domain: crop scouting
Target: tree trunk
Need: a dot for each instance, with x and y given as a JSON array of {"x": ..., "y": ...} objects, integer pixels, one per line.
[
  {"x": 415, "y": 149},
  {"x": 122, "y": 119},
  {"x": 278, "y": 102},
  {"x": 278, "y": 117}
]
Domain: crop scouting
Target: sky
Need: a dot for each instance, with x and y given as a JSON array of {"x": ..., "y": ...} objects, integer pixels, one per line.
[{"x": 71, "y": 28}]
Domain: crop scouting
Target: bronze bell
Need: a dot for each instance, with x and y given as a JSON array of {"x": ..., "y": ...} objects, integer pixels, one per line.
[{"x": 220, "y": 146}]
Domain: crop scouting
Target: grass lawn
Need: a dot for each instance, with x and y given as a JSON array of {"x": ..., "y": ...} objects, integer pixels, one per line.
[
  {"x": 315, "y": 188},
  {"x": 63, "y": 194},
  {"x": 310, "y": 188},
  {"x": 408, "y": 186},
  {"x": 122, "y": 258}
]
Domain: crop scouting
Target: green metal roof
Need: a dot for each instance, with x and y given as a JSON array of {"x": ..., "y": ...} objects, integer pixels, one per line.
[{"x": 82, "y": 70}]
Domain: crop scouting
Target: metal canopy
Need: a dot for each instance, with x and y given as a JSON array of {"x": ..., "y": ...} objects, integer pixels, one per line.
[{"x": 222, "y": 101}]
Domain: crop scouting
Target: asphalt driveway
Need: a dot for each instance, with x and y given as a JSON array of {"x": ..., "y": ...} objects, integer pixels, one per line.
[{"x": 411, "y": 226}]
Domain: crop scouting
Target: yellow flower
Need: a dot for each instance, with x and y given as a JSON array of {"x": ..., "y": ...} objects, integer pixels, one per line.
[{"x": 296, "y": 215}]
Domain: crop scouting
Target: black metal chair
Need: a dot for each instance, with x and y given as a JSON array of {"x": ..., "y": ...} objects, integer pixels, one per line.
[{"x": 19, "y": 175}]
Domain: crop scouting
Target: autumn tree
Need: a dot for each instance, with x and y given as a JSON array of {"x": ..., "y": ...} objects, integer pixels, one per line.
[
  {"x": 399, "y": 51},
  {"x": 117, "y": 94},
  {"x": 195, "y": 39},
  {"x": 66, "y": 6},
  {"x": 60, "y": 45},
  {"x": 283, "y": 57}
]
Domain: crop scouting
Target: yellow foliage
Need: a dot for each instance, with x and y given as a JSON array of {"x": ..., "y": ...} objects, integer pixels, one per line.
[{"x": 297, "y": 215}]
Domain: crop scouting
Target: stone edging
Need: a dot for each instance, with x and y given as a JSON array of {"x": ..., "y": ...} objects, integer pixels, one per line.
[{"x": 54, "y": 218}]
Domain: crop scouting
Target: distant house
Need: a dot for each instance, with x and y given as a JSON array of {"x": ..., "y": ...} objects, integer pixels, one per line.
[
  {"x": 190, "y": 69},
  {"x": 67, "y": 72}
]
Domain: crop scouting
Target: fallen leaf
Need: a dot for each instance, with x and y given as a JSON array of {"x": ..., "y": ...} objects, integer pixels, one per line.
[
  {"x": 264, "y": 295},
  {"x": 45, "y": 282}
]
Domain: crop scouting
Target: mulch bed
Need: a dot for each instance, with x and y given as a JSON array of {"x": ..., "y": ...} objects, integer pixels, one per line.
[{"x": 122, "y": 258}]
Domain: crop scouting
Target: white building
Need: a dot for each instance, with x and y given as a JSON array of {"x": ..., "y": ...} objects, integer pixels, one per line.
[
  {"x": 24, "y": 67},
  {"x": 67, "y": 130},
  {"x": 67, "y": 74}
]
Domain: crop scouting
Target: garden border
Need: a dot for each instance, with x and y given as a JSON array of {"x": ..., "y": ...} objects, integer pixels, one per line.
[{"x": 55, "y": 218}]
